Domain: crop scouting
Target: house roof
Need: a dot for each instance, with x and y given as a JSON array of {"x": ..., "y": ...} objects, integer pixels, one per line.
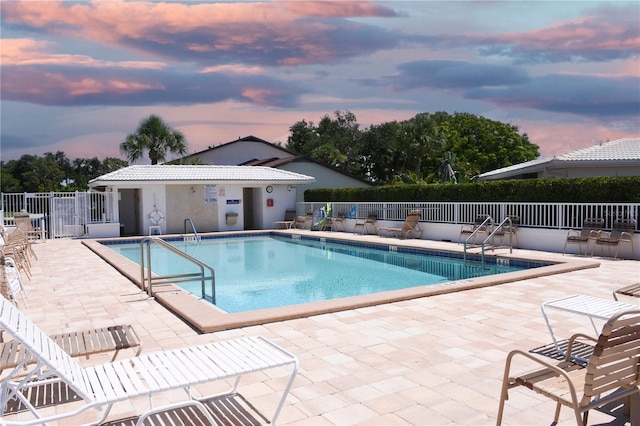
[
  {"x": 200, "y": 174},
  {"x": 249, "y": 138},
  {"x": 607, "y": 154},
  {"x": 275, "y": 162},
  {"x": 287, "y": 157}
]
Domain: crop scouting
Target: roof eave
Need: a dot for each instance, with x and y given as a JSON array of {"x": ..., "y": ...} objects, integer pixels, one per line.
[{"x": 99, "y": 183}]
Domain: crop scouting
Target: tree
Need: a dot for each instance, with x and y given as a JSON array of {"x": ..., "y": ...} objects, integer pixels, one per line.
[
  {"x": 154, "y": 136},
  {"x": 423, "y": 139},
  {"x": 382, "y": 157},
  {"x": 303, "y": 138},
  {"x": 482, "y": 145},
  {"x": 53, "y": 172},
  {"x": 426, "y": 148}
]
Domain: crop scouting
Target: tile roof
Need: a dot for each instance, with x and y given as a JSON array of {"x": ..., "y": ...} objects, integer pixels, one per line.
[
  {"x": 621, "y": 149},
  {"x": 619, "y": 152},
  {"x": 200, "y": 173}
]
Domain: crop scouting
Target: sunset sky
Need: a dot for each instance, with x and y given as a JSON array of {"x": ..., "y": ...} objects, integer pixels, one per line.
[{"x": 78, "y": 77}]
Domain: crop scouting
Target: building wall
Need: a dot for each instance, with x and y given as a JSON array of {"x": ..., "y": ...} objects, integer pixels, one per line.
[
  {"x": 230, "y": 207},
  {"x": 239, "y": 152},
  {"x": 325, "y": 178},
  {"x": 283, "y": 197},
  {"x": 152, "y": 197},
  {"x": 190, "y": 201},
  {"x": 583, "y": 172}
]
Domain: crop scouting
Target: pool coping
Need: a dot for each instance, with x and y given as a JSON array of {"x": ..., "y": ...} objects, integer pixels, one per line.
[{"x": 206, "y": 318}]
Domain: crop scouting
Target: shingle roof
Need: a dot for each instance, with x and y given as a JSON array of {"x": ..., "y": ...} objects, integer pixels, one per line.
[
  {"x": 619, "y": 152},
  {"x": 199, "y": 173}
]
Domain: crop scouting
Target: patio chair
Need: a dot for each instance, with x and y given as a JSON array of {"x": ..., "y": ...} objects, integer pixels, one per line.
[
  {"x": 622, "y": 232},
  {"x": 101, "y": 386},
  {"x": 337, "y": 222},
  {"x": 303, "y": 222},
  {"x": 610, "y": 375},
  {"x": 365, "y": 224},
  {"x": 19, "y": 247},
  {"x": 589, "y": 232},
  {"x": 481, "y": 225},
  {"x": 508, "y": 231},
  {"x": 289, "y": 219},
  {"x": 23, "y": 223},
  {"x": 410, "y": 227}
]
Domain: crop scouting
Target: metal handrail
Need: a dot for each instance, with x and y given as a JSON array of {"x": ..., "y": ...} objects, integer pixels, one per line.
[
  {"x": 488, "y": 220},
  {"x": 193, "y": 228},
  {"x": 174, "y": 278},
  {"x": 505, "y": 220},
  {"x": 492, "y": 235}
]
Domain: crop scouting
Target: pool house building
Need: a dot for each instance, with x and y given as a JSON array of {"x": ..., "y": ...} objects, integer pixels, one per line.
[{"x": 163, "y": 199}]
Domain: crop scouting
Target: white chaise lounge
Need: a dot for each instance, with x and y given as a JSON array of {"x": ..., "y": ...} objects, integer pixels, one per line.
[{"x": 100, "y": 386}]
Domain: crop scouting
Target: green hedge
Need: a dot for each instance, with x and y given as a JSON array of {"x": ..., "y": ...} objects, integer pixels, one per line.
[{"x": 585, "y": 190}]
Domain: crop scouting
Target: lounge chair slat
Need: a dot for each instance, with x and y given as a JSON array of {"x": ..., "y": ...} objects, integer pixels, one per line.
[{"x": 147, "y": 374}]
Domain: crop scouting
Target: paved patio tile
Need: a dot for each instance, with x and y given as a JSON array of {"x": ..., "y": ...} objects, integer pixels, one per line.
[{"x": 434, "y": 360}]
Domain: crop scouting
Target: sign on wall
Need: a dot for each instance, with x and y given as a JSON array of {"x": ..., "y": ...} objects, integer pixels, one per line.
[{"x": 210, "y": 194}]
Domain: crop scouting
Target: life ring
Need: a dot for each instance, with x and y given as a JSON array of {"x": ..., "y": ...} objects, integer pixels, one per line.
[{"x": 156, "y": 217}]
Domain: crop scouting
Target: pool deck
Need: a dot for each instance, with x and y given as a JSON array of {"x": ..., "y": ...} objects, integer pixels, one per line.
[{"x": 434, "y": 360}]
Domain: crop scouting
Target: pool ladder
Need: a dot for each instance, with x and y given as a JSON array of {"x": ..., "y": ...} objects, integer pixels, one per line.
[
  {"x": 188, "y": 237},
  {"x": 488, "y": 222},
  {"x": 148, "y": 278}
]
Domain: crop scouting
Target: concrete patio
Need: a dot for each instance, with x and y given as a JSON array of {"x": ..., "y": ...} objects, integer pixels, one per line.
[{"x": 434, "y": 360}]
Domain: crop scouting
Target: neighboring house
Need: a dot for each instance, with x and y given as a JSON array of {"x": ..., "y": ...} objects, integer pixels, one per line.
[
  {"x": 253, "y": 151},
  {"x": 616, "y": 158},
  {"x": 215, "y": 198}
]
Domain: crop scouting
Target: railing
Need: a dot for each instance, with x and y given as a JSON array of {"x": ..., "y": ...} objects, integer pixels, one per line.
[
  {"x": 486, "y": 224},
  {"x": 193, "y": 228},
  {"x": 532, "y": 215},
  {"x": 66, "y": 214},
  {"x": 61, "y": 214},
  {"x": 149, "y": 279}
]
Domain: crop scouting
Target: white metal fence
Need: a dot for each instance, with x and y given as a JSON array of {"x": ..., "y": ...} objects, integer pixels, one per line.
[
  {"x": 66, "y": 214},
  {"x": 60, "y": 214},
  {"x": 534, "y": 215}
]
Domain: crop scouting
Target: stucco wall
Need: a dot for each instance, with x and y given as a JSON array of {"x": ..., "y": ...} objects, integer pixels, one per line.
[
  {"x": 283, "y": 196},
  {"x": 188, "y": 201},
  {"x": 230, "y": 201}
]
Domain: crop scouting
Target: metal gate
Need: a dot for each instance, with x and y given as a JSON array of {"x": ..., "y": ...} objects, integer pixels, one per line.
[{"x": 60, "y": 214}]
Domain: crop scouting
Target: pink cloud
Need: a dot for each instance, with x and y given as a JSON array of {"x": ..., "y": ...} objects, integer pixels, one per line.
[
  {"x": 344, "y": 9},
  {"x": 270, "y": 31},
  {"x": 582, "y": 35},
  {"x": 56, "y": 87},
  {"x": 29, "y": 52}
]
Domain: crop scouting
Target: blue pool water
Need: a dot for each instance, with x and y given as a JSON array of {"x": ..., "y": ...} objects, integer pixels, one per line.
[{"x": 268, "y": 271}]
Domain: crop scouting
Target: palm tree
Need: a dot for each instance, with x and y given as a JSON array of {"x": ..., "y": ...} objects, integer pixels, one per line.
[{"x": 156, "y": 137}]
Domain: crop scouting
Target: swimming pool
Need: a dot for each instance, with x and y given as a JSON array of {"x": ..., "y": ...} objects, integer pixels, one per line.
[{"x": 267, "y": 271}]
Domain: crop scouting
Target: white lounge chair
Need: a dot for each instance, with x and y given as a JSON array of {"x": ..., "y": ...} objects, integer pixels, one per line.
[
  {"x": 11, "y": 280},
  {"x": 100, "y": 386},
  {"x": 594, "y": 308}
]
